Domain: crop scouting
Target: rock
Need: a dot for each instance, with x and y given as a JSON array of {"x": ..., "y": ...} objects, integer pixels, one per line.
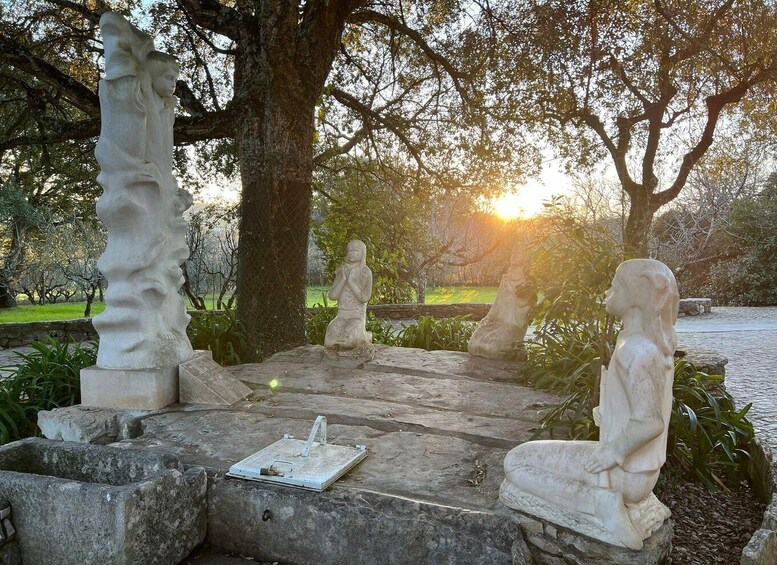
[
  {"x": 762, "y": 549},
  {"x": 521, "y": 553},
  {"x": 85, "y": 424},
  {"x": 695, "y": 306}
]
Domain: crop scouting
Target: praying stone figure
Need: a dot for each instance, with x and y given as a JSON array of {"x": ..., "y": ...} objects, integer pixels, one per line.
[
  {"x": 604, "y": 489},
  {"x": 500, "y": 334},
  {"x": 144, "y": 323},
  {"x": 352, "y": 289}
]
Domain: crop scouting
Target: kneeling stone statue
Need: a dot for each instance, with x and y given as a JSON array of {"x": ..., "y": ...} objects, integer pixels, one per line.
[
  {"x": 604, "y": 489},
  {"x": 352, "y": 289},
  {"x": 500, "y": 334}
]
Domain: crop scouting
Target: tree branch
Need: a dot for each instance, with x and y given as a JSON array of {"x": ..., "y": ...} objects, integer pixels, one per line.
[
  {"x": 366, "y": 16},
  {"x": 371, "y": 115},
  {"x": 715, "y": 105},
  {"x": 76, "y": 93},
  {"x": 187, "y": 130},
  {"x": 216, "y": 17},
  {"x": 330, "y": 152}
]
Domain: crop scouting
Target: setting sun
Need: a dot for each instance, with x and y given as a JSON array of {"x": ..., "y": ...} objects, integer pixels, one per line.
[{"x": 522, "y": 203}]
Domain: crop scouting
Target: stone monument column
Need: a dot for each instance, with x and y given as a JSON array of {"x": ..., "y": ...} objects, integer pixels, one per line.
[{"x": 143, "y": 328}]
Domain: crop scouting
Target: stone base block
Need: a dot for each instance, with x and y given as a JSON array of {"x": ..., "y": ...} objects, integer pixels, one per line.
[
  {"x": 138, "y": 389},
  {"x": 78, "y": 504},
  {"x": 550, "y": 544}
]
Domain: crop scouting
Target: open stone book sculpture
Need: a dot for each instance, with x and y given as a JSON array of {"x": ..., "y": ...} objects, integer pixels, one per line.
[
  {"x": 352, "y": 289},
  {"x": 500, "y": 334},
  {"x": 604, "y": 489},
  {"x": 144, "y": 322}
]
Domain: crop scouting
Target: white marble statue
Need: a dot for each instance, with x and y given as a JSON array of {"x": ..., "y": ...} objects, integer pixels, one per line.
[
  {"x": 604, "y": 489},
  {"x": 500, "y": 334},
  {"x": 352, "y": 289},
  {"x": 144, "y": 322}
]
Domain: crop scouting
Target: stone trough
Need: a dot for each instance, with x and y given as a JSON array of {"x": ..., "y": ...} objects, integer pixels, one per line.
[
  {"x": 437, "y": 426},
  {"x": 80, "y": 504}
]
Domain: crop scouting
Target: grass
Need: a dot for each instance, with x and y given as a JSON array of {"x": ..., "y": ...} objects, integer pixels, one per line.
[
  {"x": 48, "y": 312},
  {"x": 75, "y": 310}
]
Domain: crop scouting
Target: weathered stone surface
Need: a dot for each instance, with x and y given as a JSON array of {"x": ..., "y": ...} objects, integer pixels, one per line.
[
  {"x": 24, "y": 333},
  {"x": 85, "y": 424},
  {"x": 695, "y": 306},
  {"x": 521, "y": 553},
  {"x": 77, "y": 503},
  {"x": 434, "y": 440},
  {"x": 203, "y": 381},
  {"x": 350, "y": 526},
  {"x": 705, "y": 360},
  {"x": 762, "y": 549},
  {"x": 550, "y": 544},
  {"x": 9, "y": 547},
  {"x": 420, "y": 361},
  {"x": 131, "y": 389},
  {"x": 10, "y": 554}
]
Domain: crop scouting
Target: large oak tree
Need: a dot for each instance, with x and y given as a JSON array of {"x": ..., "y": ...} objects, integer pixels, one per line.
[{"x": 276, "y": 88}]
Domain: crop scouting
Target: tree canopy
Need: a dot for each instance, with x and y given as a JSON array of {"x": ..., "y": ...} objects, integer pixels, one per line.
[
  {"x": 270, "y": 90},
  {"x": 644, "y": 83}
]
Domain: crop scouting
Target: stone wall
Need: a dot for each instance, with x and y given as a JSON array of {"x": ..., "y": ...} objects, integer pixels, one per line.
[{"x": 19, "y": 334}]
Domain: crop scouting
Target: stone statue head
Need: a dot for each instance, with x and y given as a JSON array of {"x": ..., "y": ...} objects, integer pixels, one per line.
[
  {"x": 519, "y": 256},
  {"x": 163, "y": 69},
  {"x": 649, "y": 286},
  {"x": 356, "y": 252}
]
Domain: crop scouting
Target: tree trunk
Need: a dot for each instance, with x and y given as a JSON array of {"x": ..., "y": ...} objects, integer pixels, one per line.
[
  {"x": 275, "y": 151},
  {"x": 89, "y": 300},
  {"x": 640, "y": 217},
  {"x": 420, "y": 290},
  {"x": 7, "y": 300}
]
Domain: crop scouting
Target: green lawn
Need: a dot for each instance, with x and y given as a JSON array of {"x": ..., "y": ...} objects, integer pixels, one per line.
[{"x": 75, "y": 310}]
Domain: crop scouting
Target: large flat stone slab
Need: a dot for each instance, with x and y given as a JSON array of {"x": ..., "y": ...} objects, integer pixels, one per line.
[{"x": 428, "y": 490}]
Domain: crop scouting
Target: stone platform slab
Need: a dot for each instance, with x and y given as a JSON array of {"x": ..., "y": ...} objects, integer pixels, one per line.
[{"x": 437, "y": 426}]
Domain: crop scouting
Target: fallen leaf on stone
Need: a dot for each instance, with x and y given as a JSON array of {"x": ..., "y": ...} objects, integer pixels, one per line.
[{"x": 478, "y": 474}]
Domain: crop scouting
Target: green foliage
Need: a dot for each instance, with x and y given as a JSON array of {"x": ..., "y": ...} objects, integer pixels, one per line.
[
  {"x": 392, "y": 226},
  {"x": 219, "y": 332},
  {"x": 318, "y": 320},
  {"x": 573, "y": 338},
  {"x": 48, "y": 377},
  {"x": 707, "y": 434},
  {"x": 449, "y": 334},
  {"x": 737, "y": 266}
]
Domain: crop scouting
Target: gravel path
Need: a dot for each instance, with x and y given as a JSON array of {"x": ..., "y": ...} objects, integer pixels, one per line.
[{"x": 748, "y": 337}]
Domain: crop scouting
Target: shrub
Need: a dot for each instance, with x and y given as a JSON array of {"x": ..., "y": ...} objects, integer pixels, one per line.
[
  {"x": 450, "y": 334},
  {"x": 318, "y": 320},
  {"x": 219, "y": 332},
  {"x": 707, "y": 434},
  {"x": 48, "y": 377}
]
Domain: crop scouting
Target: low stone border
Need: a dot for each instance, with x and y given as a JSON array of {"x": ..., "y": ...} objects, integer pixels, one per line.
[
  {"x": 20, "y": 334},
  {"x": 24, "y": 333},
  {"x": 762, "y": 548}
]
